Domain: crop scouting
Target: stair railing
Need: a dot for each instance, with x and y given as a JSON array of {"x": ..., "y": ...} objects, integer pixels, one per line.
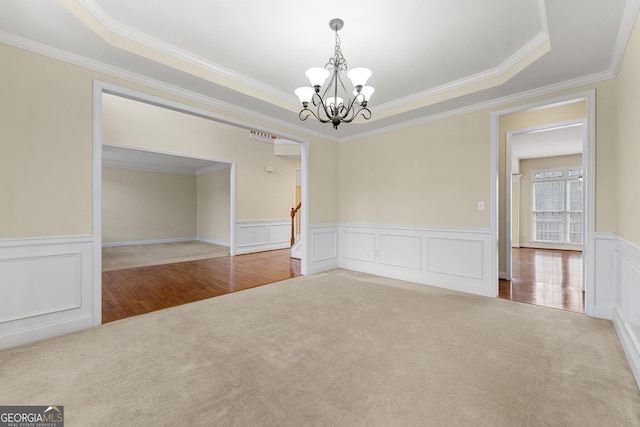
[{"x": 295, "y": 223}]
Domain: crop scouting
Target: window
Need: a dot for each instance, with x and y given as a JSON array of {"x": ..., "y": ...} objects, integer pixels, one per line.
[{"x": 557, "y": 206}]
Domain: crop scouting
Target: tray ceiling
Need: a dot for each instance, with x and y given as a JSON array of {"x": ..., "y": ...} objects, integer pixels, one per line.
[{"x": 428, "y": 57}]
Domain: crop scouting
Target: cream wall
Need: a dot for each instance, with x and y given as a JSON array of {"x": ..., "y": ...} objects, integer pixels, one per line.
[
  {"x": 46, "y": 150},
  {"x": 259, "y": 194},
  {"x": 142, "y": 205},
  {"x": 627, "y": 128},
  {"x": 45, "y": 146},
  {"x": 213, "y": 200},
  {"x": 428, "y": 175},
  {"x": 526, "y": 167}
]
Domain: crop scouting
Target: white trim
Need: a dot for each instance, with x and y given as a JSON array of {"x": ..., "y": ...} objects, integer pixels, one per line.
[
  {"x": 53, "y": 282},
  {"x": 139, "y": 38},
  {"x": 624, "y": 33},
  {"x": 90, "y": 64},
  {"x": 147, "y": 242},
  {"x": 42, "y": 49},
  {"x": 214, "y": 242},
  {"x": 187, "y": 109},
  {"x": 453, "y": 258},
  {"x": 323, "y": 247},
  {"x": 493, "y": 103},
  {"x": 100, "y": 87},
  {"x": 97, "y": 204},
  {"x": 501, "y": 70},
  {"x": 262, "y": 235},
  {"x": 626, "y": 311},
  {"x": 232, "y": 210}
]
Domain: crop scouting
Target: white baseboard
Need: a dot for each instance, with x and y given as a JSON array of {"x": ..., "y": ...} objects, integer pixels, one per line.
[
  {"x": 213, "y": 242},
  {"x": 452, "y": 258},
  {"x": 148, "y": 242},
  {"x": 47, "y": 288}
]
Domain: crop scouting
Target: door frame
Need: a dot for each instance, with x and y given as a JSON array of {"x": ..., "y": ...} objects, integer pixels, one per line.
[
  {"x": 100, "y": 87},
  {"x": 588, "y": 165}
]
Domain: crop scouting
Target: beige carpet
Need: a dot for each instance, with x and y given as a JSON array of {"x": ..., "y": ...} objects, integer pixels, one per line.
[
  {"x": 121, "y": 257},
  {"x": 333, "y": 349}
]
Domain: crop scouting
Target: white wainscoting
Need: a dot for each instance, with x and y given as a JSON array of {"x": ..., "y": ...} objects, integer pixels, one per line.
[
  {"x": 323, "y": 247},
  {"x": 262, "y": 235},
  {"x": 46, "y": 288},
  {"x": 603, "y": 275},
  {"x": 453, "y": 258},
  {"x": 627, "y": 301}
]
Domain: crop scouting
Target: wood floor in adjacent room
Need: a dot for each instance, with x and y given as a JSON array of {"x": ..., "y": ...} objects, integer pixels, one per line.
[
  {"x": 141, "y": 290},
  {"x": 550, "y": 278}
]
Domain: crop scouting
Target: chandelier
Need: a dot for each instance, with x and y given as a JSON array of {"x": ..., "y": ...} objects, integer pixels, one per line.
[{"x": 328, "y": 106}]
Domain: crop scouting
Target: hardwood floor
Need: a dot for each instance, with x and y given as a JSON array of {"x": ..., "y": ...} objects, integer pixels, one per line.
[
  {"x": 141, "y": 290},
  {"x": 550, "y": 278}
]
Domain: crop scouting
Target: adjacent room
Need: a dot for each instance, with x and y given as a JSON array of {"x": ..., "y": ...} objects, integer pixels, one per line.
[
  {"x": 166, "y": 214},
  {"x": 544, "y": 225}
]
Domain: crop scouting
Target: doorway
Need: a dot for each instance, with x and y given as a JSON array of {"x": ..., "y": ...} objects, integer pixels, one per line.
[
  {"x": 101, "y": 88},
  {"x": 558, "y": 114}
]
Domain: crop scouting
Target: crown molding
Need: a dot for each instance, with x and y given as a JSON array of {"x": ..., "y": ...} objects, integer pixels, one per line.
[
  {"x": 142, "y": 44},
  {"x": 494, "y": 103},
  {"x": 626, "y": 26},
  {"x": 100, "y": 67}
]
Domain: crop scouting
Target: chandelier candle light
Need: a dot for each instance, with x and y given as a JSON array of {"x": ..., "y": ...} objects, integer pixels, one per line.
[{"x": 334, "y": 109}]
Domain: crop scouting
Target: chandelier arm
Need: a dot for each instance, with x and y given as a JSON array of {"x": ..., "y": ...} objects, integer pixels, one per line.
[
  {"x": 309, "y": 113},
  {"x": 363, "y": 111},
  {"x": 321, "y": 106}
]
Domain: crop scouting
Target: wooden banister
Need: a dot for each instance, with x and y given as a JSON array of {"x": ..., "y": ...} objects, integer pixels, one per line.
[{"x": 294, "y": 211}]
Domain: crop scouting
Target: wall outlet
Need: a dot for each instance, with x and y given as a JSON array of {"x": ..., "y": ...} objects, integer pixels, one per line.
[{"x": 481, "y": 205}]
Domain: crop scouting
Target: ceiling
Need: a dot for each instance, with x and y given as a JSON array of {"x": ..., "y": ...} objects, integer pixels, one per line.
[
  {"x": 551, "y": 142},
  {"x": 428, "y": 57},
  {"x": 152, "y": 161}
]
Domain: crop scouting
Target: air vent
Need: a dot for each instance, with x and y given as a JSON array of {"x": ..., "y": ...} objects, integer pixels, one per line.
[{"x": 262, "y": 136}]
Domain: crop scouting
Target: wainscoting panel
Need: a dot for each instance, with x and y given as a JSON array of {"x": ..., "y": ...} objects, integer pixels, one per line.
[
  {"x": 262, "y": 235},
  {"x": 604, "y": 275},
  {"x": 401, "y": 251},
  {"x": 46, "y": 287},
  {"x": 323, "y": 247},
  {"x": 457, "y": 259},
  {"x": 357, "y": 245},
  {"x": 627, "y": 301}
]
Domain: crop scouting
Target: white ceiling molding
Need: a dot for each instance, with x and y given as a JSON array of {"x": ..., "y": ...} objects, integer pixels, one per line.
[
  {"x": 628, "y": 20},
  {"x": 494, "y": 103},
  {"x": 158, "y": 44},
  {"x": 533, "y": 50},
  {"x": 136, "y": 42},
  {"x": 70, "y": 58}
]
